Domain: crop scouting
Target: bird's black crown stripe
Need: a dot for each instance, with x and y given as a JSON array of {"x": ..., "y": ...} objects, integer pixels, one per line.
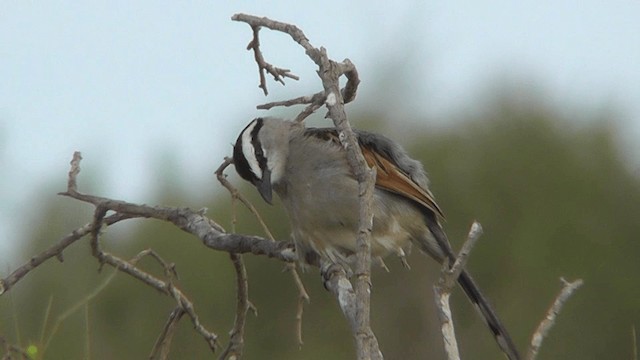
[{"x": 239, "y": 160}]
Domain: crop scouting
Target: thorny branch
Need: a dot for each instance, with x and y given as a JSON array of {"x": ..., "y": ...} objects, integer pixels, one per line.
[
  {"x": 330, "y": 72},
  {"x": 277, "y": 73}
]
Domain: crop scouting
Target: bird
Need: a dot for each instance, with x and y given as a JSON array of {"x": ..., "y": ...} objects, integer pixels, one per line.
[{"x": 308, "y": 169}]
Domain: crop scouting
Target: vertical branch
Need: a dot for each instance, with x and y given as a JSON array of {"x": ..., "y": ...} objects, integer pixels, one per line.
[
  {"x": 442, "y": 291},
  {"x": 446, "y": 322},
  {"x": 236, "y": 341},
  {"x": 330, "y": 72},
  {"x": 291, "y": 267}
]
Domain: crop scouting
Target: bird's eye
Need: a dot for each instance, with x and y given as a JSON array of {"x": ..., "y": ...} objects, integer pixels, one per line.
[{"x": 259, "y": 152}]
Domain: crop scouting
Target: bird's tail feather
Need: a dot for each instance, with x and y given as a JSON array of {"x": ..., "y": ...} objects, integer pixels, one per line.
[{"x": 482, "y": 305}]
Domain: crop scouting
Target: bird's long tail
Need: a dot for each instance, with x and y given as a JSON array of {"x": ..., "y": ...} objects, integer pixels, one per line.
[{"x": 491, "y": 319}]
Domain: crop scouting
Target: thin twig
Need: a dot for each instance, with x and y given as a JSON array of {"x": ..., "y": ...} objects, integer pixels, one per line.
[
  {"x": 451, "y": 274},
  {"x": 277, "y": 73},
  {"x": 102, "y": 207},
  {"x": 303, "y": 296},
  {"x": 547, "y": 323},
  {"x": 162, "y": 346},
  {"x": 236, "y": 194},
  {"x": 55, "y": 251},
  {"x": 235, "y": 346},
  {"x": 309, "y": 99},
  {"x": 442, "y": 291},
  {"x": 72, "y": 183},
  {"x": 169, "y": 268},
  {"x": 164, "y": 287},
  {"x": 236, "y": 339},
  {"x": 318, "y": 55}
]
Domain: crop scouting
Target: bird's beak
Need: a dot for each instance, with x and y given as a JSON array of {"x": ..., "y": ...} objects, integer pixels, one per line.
[{"x": 264, "y": 186}]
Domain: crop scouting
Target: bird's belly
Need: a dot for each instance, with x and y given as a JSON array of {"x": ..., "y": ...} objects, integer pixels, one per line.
[{"x": 333, "y": 234}]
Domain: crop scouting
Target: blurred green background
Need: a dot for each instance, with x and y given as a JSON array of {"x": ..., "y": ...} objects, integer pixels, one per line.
[{"x": 556, "y": 197}]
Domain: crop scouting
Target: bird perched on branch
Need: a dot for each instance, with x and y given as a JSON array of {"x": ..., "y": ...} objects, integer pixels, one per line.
[{"x": 308, "y": 169}]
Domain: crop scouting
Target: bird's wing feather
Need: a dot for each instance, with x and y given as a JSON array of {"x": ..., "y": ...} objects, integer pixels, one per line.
[{"x": 391, "y": 178}]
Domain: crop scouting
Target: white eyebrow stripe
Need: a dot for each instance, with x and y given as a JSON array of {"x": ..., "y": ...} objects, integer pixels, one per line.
[{"x": 249, "y": 151}]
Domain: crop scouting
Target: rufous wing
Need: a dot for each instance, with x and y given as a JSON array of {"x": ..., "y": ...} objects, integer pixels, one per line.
[{"x": 389, "y": 177}]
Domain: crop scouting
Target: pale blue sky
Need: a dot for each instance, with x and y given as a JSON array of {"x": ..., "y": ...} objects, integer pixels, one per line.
[{"x": 122, "y": 80}]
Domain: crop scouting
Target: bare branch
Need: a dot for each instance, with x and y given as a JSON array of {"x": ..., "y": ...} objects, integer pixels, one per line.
[
  {"x": 309, "y": 99},
  {"x": 236, "y": 194},
  {"x": 318, "y": 56},
  {"x": 169, "y": 268},
  {"x": 166, "y": 288},
  {"x": 72, "y": 184},
  {"x": 236, "y": 341},
  {"x": 353, "y": 80},
  {"x": 303, "y": 297},
  {"x": 442, "y": 291},
  {"x": 451, "y": 275},
  {"x": 102, "y": 206},
  {"x": 277, "y": 73},
  {"x": 547, "y": 323},
  {"x": 315, "y": 102},
  {"x": 160, "y": 350},
  {"x": 446, "y": 320},
  {"x": 55, "y": 251},
  {"x": 337, "y": 282},
  {"x": 195, "y": 223}
]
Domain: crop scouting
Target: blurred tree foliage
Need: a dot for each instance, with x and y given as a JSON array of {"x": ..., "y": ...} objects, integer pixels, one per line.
[{"x": 555, "y": 199}]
